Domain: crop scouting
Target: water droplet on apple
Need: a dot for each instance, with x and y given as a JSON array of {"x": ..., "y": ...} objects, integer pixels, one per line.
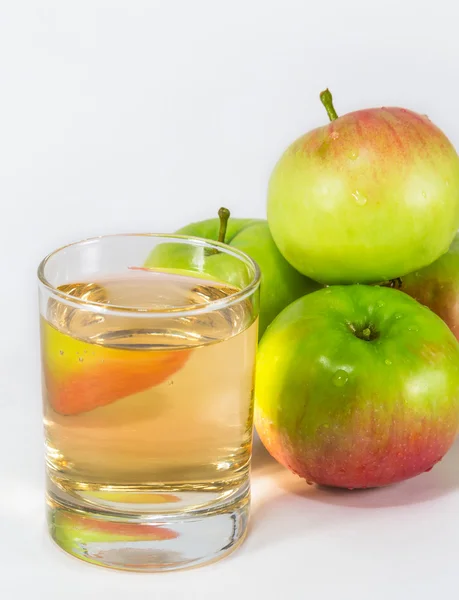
[
  {"x": 397, "y": 316},
  {"x": 334, "y": 135},
  {"x": 388, "y": 362},
  {"x": 354, "y": 154},
  {"x": 61, "y": 352},
  {"x": 380, "y": 304},
  {"x": 412, "y": 328},
  {"x": 446, "y": 182},
  {"x": 81, "y": 359},
  {"x": 340, "y": 378},
  {"x": 359, "y": 198},
  {"x": 424, "y": 195}
]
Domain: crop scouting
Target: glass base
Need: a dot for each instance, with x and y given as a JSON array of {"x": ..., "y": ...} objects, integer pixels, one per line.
[{"x": 140, "y": 540}]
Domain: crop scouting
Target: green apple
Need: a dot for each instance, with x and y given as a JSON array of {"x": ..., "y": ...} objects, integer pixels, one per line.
[
  {"x": 357, "y": 386},
  {"x": 369, "y": 197},
  {"x": 437, "y": 286},
  {"x": 281, "y": 284}
]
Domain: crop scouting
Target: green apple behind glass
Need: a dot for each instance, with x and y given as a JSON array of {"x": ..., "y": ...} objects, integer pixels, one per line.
[{"x": 281, "y": 284}]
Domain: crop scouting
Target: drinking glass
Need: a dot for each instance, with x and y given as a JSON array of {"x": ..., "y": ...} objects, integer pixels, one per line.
[{"x": 148, "y": 347}]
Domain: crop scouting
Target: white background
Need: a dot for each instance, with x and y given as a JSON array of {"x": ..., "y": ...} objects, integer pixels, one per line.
[{"x": 141, "y": 116}]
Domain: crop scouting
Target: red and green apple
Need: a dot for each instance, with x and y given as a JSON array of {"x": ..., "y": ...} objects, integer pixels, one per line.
[
  {"x": 357, "y": 386},
  {"x": 437, "y": 286},
  {"x": 105, "y": 375},
  {"x": 369, "y": 197}
]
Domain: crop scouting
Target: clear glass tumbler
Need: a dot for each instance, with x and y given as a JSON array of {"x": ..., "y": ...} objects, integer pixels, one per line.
[{"x": 148, "y": 348}]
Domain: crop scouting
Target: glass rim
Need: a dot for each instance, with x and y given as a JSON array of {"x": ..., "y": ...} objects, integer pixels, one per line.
[{"x": 193, "y": 309}]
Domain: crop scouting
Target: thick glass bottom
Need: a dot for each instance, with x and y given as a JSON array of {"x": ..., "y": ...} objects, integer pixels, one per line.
[{"x": 148, "y": 533}]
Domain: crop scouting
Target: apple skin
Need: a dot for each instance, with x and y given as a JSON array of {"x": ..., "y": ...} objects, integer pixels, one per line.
[
  {"x": 437, "y": 286},
  {"x": 108, "y": 374},
  {"x": 280, "y": 285},
  {"x": 348, "y": 412},
  {"x": 369, "y": 197}
]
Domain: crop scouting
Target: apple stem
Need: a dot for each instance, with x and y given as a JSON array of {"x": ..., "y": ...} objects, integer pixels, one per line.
[
  {"x": 223, "y": 215},
  {"x": 327, "y": 100}
]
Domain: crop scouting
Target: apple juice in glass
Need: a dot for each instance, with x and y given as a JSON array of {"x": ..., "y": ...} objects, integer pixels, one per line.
[{"x": 148, "y": 398}]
